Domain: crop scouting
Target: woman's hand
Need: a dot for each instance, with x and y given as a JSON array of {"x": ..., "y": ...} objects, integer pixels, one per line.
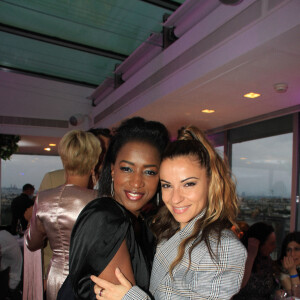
[
  {"x": 106, "y": 290},
  {"x": 289, "y": 265}
]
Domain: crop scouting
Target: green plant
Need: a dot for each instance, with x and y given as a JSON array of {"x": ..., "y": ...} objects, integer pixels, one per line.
[{"x": 8, "y": 145}]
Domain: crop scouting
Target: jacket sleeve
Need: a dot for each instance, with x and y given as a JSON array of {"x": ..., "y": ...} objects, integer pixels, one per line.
[
  {"x": 97, "y": 235},
  {"x": 35, "y": 236},
  {"x": 135, "y": 293},
  {"x": 224, "y": 277}
]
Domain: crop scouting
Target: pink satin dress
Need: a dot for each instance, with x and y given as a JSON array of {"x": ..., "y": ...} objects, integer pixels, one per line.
[{"x": 54, "y": 214}]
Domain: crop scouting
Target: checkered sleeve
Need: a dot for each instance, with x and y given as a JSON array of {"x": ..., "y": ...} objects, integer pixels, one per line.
[
  {"x": 135, "y": 293},
  {"x": 220, "y": 279}
]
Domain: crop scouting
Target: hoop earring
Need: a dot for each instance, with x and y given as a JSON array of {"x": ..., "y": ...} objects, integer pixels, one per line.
[{"x": 112, "y": 192}]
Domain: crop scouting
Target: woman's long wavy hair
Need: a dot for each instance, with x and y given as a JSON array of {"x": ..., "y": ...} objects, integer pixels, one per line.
[
  {"x": 221, "y": 209},
  {"x": 135, "y": 129}
]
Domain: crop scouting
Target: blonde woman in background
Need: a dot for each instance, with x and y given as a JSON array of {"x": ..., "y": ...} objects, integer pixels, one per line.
[
  {"x": 198, "y": 256},
  {"x": 56, "y": 210}
]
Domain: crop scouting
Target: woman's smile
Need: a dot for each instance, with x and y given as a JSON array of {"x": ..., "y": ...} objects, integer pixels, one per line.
[
  {"x": 180, "y": 210},
  {"x": 134, "y": 196}
]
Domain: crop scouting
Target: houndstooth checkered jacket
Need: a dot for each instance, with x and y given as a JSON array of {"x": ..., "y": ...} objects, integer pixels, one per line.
[{"x": 204, "y": 279}]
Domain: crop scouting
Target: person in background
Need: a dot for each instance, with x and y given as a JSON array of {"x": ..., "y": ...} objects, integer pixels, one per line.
[
  {"x": 104, "y": 135},
  {"x": 289, "y": 261},
  {"x": 56, "y": 210},
  {"x": 10, "y": 257},
  {"x": 56, "y": 178},
  {"x": 198, "y": 256},
  {"x": 259, "y": 281},
  {"x": 241, "y": 229},
  {"x": 109, "y": 231},
  {"x": 18, "y": 207}
]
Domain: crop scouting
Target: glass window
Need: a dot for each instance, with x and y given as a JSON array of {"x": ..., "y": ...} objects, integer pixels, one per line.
[
  {"x": 220, "y": 150},
  {"x": 263, "y": 170},
  {"x": 217, "y": 140},
  {"x": 19, "y": 170}
]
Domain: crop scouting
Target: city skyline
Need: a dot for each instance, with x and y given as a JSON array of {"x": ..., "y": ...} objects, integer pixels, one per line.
[{"x": 261, "y": 167}]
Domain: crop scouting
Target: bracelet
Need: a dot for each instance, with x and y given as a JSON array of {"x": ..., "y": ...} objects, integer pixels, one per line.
[{"x": 293, "y": 276}]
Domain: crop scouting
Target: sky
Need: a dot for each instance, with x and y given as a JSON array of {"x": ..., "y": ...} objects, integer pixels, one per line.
[
  {"x": 22, "y": 169},
  {"x": 264, "y": 167}
]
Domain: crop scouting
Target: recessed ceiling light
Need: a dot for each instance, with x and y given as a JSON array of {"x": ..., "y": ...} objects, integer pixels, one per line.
[
  {"x": 47, "y": 149},
  {"x": 52, "y": 145},
  {"x": 208, "y": 111},
  {"x": 243, "y": 158},
  {"x": 251, "y": 95}
]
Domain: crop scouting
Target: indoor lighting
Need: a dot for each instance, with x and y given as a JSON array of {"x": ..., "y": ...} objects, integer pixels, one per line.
[
  {"x": 52, "y": 145},
  {"x": 243, "y": 158},
  {"x": 47, "y": 149},
  {"x": 251, "y": 95},
  {"x": 208, "y": 111}
]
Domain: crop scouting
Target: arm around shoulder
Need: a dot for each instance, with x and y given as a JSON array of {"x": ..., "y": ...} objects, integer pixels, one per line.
[
  {"x": 122, "y": 261},
  {"x": 97, "y": 241}
]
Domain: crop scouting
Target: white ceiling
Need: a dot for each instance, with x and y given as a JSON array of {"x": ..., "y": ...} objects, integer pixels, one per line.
[
  {"x": 274, "y": 62},
  {"x": 181, "y": 81}
]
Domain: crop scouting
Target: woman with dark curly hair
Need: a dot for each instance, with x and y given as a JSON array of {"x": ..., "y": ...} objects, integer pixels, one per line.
[
  {"x": 259, "y": 281},
  {"x": 290, "y": 261},
  {"x": 110, "y": 232}
]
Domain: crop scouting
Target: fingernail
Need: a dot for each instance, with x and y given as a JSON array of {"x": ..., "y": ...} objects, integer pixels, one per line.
[{"x": 117, "y": 269}]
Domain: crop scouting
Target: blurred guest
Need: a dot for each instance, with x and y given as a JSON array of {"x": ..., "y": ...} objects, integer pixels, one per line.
[
  {"x": 104, "y": 135},
  {"x": 18, "y": 208},
  {"x": 258, "y": 282},
  {"x": 56, "y": 210},
  {"x": 290, "y": 261},
  {"x": 241, "y": 228},
  {"x": 11, "y": 259},
  {"x": 56, "y": 178}
]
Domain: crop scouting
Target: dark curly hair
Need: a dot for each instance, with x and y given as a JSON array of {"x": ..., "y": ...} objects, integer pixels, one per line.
[
  {"x": 260, "y": 231},
  {"x": 135, "y": 129},
  {"x": 290, "y": 237}
]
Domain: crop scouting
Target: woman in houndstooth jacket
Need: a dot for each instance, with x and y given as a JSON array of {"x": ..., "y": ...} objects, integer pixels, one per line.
[{"x": 198, "y": 256}]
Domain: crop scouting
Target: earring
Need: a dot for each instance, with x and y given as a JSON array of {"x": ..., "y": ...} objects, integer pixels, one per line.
[
  {"x": 112, "y": 192},
  {"x": 157, "y": 199}
]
